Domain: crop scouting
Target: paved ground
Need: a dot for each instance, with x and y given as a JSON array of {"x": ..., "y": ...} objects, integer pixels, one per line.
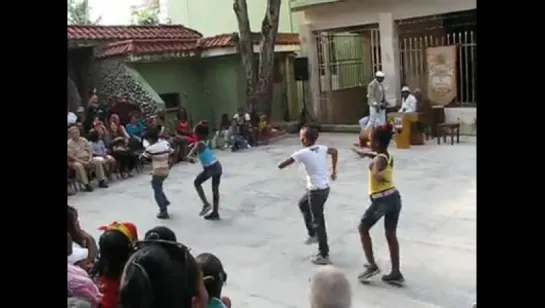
[{"x": 261, "y": 234}]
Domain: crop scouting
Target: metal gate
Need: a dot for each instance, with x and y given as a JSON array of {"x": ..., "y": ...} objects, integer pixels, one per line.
[
  {"x": 346, "y": 59},
  {"x": 413, "y": 62}
]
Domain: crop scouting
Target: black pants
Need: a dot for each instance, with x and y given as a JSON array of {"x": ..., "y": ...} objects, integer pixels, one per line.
[
  {"x": 312, "y": 206},
  {"x": 213, "y": 171},
  {"x": 125, "y": 159}
]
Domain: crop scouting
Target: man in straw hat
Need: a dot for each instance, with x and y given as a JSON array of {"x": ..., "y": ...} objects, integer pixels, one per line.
[{"x": 408, "y": 101}]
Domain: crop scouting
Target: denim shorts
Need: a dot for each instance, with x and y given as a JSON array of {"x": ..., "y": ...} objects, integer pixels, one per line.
[{"x": 388, "y": 206}]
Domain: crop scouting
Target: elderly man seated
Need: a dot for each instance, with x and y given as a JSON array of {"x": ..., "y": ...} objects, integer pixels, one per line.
[
  {"x": 80, "y": 159},
  {"x": 408, "y": 101}
]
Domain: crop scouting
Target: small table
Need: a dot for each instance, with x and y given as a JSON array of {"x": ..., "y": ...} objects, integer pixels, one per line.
[
  {"x": 403, "y": 138},
  {"x": 451, "y": 129}
]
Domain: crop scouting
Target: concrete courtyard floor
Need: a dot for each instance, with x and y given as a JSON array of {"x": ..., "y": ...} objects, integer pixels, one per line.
[{"x": 260, "y": 237}]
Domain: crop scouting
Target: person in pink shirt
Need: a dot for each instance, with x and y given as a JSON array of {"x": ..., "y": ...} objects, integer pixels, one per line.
[{"x": 80, "y": 285}]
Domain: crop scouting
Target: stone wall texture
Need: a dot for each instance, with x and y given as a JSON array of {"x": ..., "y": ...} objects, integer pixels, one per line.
[{"x": 113, "y": 78}]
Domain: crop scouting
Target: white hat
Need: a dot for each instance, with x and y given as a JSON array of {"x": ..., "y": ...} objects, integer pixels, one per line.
[
  {"x": 405, "y": 89},
  {"x": 78, "y": 254},
  {"x": 379, "y": 74}
]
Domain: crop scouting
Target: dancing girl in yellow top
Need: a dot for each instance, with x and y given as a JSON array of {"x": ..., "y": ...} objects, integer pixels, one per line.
[{"x": 385, "y": 201}]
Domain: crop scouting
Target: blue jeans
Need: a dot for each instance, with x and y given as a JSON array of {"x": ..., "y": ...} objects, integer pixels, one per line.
[{"x": 158, "y": 193}]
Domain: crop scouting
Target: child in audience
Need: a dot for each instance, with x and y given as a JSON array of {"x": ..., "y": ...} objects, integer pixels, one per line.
[
  {"x": 162, "y": 273},
  {"x": 80, "y": 285},
  {"x": 159, "y": 152},
  {"x": 214, "y": 277},
  {"x": 115, "y": 246},
  {"x": 212, "y": 169}
]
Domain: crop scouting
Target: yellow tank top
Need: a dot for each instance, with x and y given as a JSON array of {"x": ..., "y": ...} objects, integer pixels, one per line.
[{"x": 376, "y": 186}]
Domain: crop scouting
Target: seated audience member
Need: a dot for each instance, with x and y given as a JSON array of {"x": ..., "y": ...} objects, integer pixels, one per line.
[
  {"x": 125, "y": 158},
  {"x": 160, "y": 233},
  {"x": 183, "y": 136},
  {"x": 120, "y": 129},
  {"x": 263, "y": 129},
  {"x": 99, "y": 151},
  {"x": 79, "y": 284},
  {"x": 214, "y": 277},
  {"x": 244, "y": 123},
  {"x": 135, "y": 129},
  {"x": 223, "y": 135},
  {"x": 329, "y": 288},
  {"x": 79, "y": 125},
  {"x": 162, "y": 274},
  {"x": 80, "y": 159},
  {"x": 238, "y": 142},
  {"x": 115, "y": 249},
  {"x": 81, "y": 239},
  {"x": 123, "y": 108}
]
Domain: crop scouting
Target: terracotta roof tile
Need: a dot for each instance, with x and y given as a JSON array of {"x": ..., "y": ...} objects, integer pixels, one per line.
[
  {"x": 159, "y": 45},
  {"x": 226, "y": 40},
  {"x": 146, "y": 47},
  {"x": 99, "y": 33}
]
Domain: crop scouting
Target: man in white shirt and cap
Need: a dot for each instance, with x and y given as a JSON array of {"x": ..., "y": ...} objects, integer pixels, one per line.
[
  {"x": 408, "y": 101},
  {"x": 376, "y": 99}
]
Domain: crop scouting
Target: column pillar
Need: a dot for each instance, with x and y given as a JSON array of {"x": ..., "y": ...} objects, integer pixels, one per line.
[
  {"x": 389, "y": 47},
  {"x": 312, "y": 87}
]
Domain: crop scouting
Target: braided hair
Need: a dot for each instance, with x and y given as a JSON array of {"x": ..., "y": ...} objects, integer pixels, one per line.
[{"x": 382, "y": 135}]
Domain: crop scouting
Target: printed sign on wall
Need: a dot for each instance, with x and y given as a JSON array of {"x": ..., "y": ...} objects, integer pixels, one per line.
[{"x": 441, "y": 63}]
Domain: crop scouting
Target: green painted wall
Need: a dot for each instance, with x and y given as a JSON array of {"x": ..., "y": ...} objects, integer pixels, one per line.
[
  {"x": 176, "y": 76},
  {"x": 208, "y": 87},
  {"x": 223, "y": 85}
]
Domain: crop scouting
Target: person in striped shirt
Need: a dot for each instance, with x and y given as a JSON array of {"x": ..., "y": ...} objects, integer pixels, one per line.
[{"x": 159, "y": 151}]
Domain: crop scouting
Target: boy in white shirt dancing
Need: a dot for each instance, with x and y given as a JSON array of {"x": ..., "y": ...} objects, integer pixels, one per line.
[
  {"x": 159, "y": 151},
  {"x": 314, "y": 158}
]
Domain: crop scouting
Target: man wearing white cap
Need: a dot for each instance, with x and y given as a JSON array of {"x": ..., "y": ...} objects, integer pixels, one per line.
[
  {"x": 408, "y": 101},
  {"x": 376, "y": 101}
]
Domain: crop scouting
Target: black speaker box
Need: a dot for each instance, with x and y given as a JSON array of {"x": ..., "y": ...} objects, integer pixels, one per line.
[{"x": 300, "y": 69}]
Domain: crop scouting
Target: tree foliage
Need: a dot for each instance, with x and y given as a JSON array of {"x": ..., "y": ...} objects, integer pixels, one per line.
[
  {"x": 79, "y": 13},
  {"x": 258, "y": 69},
  {"x": 146, "y": 16}
]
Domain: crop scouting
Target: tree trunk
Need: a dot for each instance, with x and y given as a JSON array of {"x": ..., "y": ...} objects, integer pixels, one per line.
[
  {"x": 259, "y": 74},
  {"x": 245, "y": 46},
  {"x": 269, "y": 29}
]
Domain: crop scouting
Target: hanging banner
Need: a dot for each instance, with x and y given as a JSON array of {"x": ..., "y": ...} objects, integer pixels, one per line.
[{"x": 441, "y": 63}]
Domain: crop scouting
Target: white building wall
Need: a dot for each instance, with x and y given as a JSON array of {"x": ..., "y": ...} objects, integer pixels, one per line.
[
  {"x": 384, "y": 13},
  {"x": 355, "y": 13}
]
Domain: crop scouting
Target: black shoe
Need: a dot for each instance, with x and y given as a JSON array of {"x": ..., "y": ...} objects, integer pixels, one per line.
[
  {"x": 393, "y": 278},
  {"x": 102, "y": 184},
  {"x": 212, "y": 216},
  {"x": 163, "y": 215},
  {"x": 88, "y": 188},
  {"x": 205, "y": 209},
  {"x": 370, "y": 271}
]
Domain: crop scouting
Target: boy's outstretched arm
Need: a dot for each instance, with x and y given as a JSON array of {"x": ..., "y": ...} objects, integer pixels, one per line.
[
  {"x": 286, "y": 163},
  {"x": 334, "y": 157}
]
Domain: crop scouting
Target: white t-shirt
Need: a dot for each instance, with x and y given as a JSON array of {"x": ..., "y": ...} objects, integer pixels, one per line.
[
  {"x": 314, "y": 158},
  {"x": 72, "y": 117},
  {"x": 239, "y": 119}
]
